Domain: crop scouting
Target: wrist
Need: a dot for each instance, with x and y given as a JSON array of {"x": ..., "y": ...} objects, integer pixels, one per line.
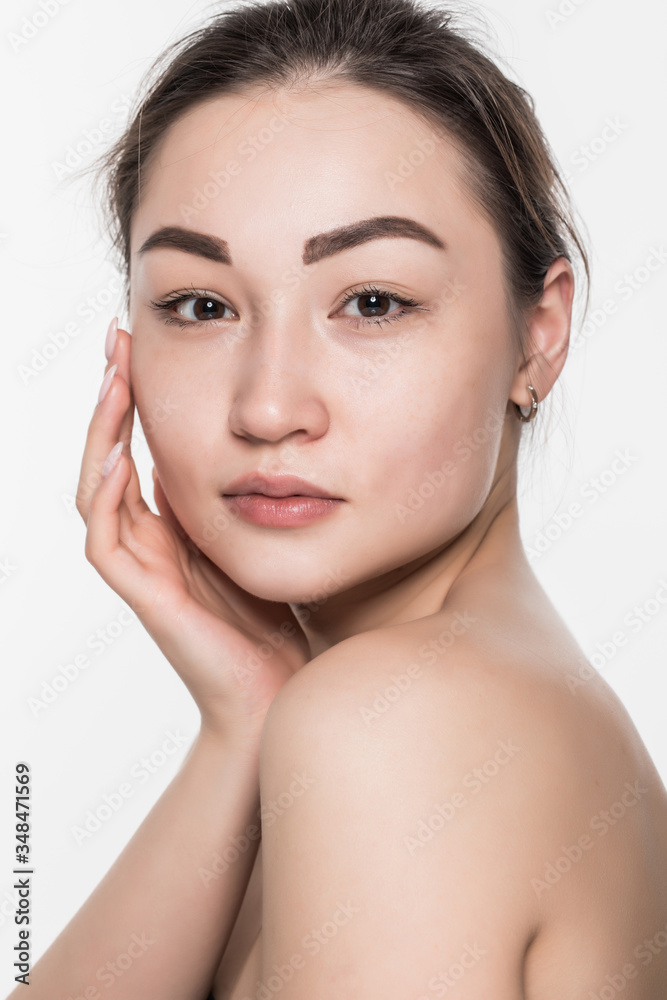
[{"x": 240, "y": 739}]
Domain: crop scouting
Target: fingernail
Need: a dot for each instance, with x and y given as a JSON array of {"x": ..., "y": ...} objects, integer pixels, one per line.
[
  {"x": 106, "y": 382},
  {"x": 112, "y": 458},
  {"x": 110, "y": 342}
]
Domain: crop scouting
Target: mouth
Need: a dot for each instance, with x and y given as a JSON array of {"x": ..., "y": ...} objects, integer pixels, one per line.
[{"x": 280, "y": 501}]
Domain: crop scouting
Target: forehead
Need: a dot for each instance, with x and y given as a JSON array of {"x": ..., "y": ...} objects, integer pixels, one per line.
[{"x": 272, "y": 164}]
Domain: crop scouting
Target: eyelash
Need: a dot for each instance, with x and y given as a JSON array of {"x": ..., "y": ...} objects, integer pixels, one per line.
[{"x": 409, "y": 305}]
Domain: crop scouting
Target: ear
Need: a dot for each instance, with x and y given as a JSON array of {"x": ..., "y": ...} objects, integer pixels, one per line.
[{"x": 549, "y": 335}]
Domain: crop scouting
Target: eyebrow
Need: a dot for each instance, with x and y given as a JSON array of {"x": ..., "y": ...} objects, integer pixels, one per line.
[{"x": 315, "y": 248}]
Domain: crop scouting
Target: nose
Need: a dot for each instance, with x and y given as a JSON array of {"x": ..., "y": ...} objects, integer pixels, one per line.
[{"x": 278, "y": 388}]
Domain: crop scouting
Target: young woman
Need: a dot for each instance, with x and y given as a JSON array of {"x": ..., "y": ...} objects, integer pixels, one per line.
[{"x": 350, "y": 275}]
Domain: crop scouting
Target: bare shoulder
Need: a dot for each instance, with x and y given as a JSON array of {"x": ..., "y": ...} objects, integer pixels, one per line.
[
  {"x": 475, "y": 774},
  {"x": 462, "y": 685},
  {"x": 406, "y": 772}
]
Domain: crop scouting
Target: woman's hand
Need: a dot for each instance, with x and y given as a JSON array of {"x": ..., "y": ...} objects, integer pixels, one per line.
[{"x": 209, "y": 628}]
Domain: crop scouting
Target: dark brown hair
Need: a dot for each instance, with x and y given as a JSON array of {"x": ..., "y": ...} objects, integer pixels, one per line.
[{"x": 410, "y": 51}]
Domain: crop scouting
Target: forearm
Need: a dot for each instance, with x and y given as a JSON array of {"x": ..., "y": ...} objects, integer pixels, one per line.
[{"x": 169, "y": 902}]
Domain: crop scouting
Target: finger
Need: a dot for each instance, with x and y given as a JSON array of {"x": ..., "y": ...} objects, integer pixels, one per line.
[
  {"x": 104, "y": 550},
  {"x": 103, "y": 432},
  {"x": 121, "y": 356}
]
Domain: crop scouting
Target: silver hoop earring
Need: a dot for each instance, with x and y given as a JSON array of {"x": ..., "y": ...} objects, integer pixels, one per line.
[{"x": 533, "y": 407}]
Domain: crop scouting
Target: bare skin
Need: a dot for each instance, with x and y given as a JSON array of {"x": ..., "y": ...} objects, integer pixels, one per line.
[
  {"x": 557, "y": 928},
  {"x": 288, "y": 378}
]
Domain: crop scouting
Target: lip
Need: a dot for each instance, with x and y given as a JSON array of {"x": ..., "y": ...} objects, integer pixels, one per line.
[
  {"x": 280, "y": 512},
  {"x": 279, "y": 501},
  {"x": 276, "y": 486}
]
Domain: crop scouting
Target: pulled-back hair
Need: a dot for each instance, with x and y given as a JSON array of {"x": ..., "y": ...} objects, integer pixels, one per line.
[{"x": 408, "y": 50}]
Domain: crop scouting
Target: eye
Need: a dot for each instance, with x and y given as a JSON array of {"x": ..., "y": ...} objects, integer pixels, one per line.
[
  {"x": 199, "y": 307},
  {"x": 373, "y": 303}
]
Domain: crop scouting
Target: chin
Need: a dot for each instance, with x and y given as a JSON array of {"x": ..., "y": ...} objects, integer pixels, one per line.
[
  {"x": 285, "y": 591},
  {"x": 282, "y": 580}
]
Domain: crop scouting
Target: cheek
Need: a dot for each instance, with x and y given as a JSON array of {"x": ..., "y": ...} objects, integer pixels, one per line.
[
  {"x": 435, "y": 457},
  {"x": 179, "y": 424}
]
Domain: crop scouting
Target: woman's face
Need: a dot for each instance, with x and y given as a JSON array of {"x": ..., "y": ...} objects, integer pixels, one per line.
[{"x": 398, "y": 410}]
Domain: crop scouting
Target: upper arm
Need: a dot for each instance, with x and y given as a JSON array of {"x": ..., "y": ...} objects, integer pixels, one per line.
[{"x": 392, "y": 825}]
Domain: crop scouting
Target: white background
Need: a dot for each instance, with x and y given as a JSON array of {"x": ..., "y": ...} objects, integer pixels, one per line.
[{"x": 595, "y": 61}]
